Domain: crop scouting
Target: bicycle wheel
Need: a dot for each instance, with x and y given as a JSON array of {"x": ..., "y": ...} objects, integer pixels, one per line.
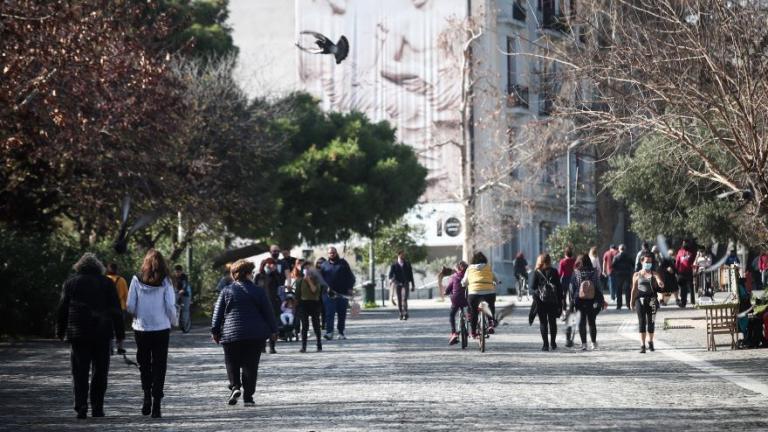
[
  {"x": 482, "y": 323},
  {"x": 463, "y": 331}
]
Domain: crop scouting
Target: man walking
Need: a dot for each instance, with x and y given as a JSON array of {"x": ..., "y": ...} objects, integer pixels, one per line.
[
  {"x": 608, "y": 257},
  {"x": 400, "y": 276},
  {"x": 684, "y": 267},
  {"x": 340, "y": 280},
  {"x": 623, "y": 267}
]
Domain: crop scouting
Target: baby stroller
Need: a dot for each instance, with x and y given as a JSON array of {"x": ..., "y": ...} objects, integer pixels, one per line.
[{"x": 287, "y": 331}]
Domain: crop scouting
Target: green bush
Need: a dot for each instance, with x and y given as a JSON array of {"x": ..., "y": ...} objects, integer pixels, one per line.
[{"x": 580, "y": 237}]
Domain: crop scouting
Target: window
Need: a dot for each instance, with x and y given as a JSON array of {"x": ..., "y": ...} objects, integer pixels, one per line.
[
  {"x": 519, "y": 10},
  {"x": 548, "y": 87},
  {"x": 511, "y": 247},
  {"x": 517, "y": 95},
  {"x": 513, "y": 134},
  {"x": 545, "y": 230}
]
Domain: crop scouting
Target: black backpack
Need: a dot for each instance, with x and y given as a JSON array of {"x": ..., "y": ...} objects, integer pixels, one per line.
[{"x": 547, "y": 290}]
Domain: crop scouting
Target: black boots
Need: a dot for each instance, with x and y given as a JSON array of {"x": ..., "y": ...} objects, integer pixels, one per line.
[
  {"x": 156, "y": 408},
  {"x": 319, "y": 345},
  {"x": 147, "y": 405},
  {"x": 303, "y": 346}
]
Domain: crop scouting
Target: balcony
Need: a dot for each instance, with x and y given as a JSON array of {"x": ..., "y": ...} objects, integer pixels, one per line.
[{"x": 518, "y": 12}]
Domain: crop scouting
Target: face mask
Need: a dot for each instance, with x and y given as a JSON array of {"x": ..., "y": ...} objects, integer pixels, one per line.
[
  {"x": 305, "y": 272},
  {"x": 267, "y": 270},
  {"x": 647, "y": 266}
]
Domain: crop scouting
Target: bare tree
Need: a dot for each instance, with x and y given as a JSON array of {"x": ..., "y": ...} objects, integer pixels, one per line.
[{"x": 691, "y": 72}]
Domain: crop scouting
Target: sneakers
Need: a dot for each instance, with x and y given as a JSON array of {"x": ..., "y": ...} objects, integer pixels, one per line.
[
  {"x": 642, "y": 349},
  {"x": 593, "y": 347},
  {"x": 454, "y": 339},
  {"x": 329, "y": 336},
  {"x": 234, "y": 396},
  {"x": 249, "y": 402},
  {"x": 272, "y": 350},
  {"x": 342, "y": 337},
  {"x": 405, "y": 317},
  {"x": 583, "y": 347},
  {"x": 650, "y": 346},
  {"x": 491, "y": 329}
]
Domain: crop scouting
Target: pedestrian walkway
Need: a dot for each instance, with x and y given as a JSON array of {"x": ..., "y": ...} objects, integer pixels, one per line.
[{"x": 402, "y": 375}]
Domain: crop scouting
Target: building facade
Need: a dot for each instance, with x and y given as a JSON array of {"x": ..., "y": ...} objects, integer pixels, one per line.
[{"x": 406, "y": 65}]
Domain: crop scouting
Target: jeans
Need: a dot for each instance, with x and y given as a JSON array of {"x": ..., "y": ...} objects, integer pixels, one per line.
[
  {"x": 685, "y": 282},
  {"x": 333, "y": 306},
  {"x": 588, "y": 315},
  {"x": 152, "y": 356},
  {"x": 310, "y": 309},
  {"x": 402, "y": 297},
  {"x": 612, "y": 286},
  {"x": 84, "y": 357},
  {"x": 452, "y": 317},
  {"x": 241, "y": 359},
  {"x": 621, "y": 285},
  {"x": 474, "y": 303}
]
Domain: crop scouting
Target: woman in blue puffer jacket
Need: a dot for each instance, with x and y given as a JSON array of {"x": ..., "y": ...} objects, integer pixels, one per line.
[{"x": 242, "y": 322}]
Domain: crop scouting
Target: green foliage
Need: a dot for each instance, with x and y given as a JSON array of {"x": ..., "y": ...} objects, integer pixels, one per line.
[
  {"x": 392, "y": 238},
  {"x": 342, "y": 174},
  {"x": 664, "y": 199},
  {"x": 580, "y": 237}
]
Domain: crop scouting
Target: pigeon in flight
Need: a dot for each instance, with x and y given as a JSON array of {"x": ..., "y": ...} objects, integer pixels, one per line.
[{"x": 340, "y": 49}]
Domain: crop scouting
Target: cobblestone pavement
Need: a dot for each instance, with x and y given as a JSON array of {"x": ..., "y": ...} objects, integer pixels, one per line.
[{"x": 402, "y": 375}]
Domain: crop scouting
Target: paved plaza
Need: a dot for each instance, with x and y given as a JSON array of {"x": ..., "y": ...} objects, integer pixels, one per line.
[{"x": 402, "y": 375}]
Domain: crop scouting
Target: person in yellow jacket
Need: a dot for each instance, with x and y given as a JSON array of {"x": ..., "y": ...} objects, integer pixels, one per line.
[
  {"x": 120, "y": 284},
  {"x": 480, "y": 282}
]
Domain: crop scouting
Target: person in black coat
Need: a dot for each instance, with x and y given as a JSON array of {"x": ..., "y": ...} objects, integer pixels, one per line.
[
  {"x": 269, "y": 279},
  {"x": 623, "y": 269},
  {"x": 242, "y": 321},
  {"x": 88, "y": 316},
  {"x": 549, "y": 299},
  {"x": 400, "y": 277}
]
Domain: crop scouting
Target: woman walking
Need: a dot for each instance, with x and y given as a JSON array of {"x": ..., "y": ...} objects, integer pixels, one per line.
[
  {"x": 242, "y": 321},
  {"x": 588, "y": 298},
  {"x": 152, "y": 302},
  {"x": 549, "y": 298},
  {"x": 269, "y": 280},
  {"x": 308, "y": 290},
  {"x": 645, "y": 285},
  {"x": 88, "y": 316}
]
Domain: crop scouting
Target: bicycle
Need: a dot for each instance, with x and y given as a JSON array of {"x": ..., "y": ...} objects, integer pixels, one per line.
[
  {"x": 183, "y": 314},
  {"x": 463, "y": 328},
  {"x": 483, "y": 325}
]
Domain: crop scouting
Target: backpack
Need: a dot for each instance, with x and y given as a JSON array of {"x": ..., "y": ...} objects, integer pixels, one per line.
[
  {"x": 547, "y": 293},
  {"x": 586, "y": 290}
]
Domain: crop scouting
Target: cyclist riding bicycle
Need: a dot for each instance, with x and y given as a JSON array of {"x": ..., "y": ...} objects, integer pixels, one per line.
[
  {"x": 521, "y": 273},
  {"x": 458, "y": 297},
  {"x": 481, "y": 286}
]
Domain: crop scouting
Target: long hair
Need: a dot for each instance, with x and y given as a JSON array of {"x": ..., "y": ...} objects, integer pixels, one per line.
[
  {"x": 543, "y": 261},
  {"x": 153, "y": 268},
  {"x": 297, "y": 272},
  {"x": 583, "y": 263},
  {"x": 264, "y": 263}
]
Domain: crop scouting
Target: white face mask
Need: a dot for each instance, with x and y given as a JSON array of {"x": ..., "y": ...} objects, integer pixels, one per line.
[{"x": 647, "y": 266}]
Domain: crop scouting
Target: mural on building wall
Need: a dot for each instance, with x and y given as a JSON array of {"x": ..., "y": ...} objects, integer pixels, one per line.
[{"x": 397, "y": 71}]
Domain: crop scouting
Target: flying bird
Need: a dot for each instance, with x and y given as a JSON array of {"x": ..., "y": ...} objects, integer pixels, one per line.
[
  {"x": 340, "y": 49},
  {"x": 120, "y": 244}
]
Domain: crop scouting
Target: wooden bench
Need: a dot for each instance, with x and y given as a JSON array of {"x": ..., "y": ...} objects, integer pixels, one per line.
[{"x": 721, "y": 320}]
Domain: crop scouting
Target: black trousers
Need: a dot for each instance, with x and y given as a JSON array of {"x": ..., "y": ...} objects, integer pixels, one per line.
[
  {"x": 242, "y": 361},
  {"x": 90, "y": 357},
  {"x": 474, "y": 302},
  {"x": 622, "y": 288},
  {"x": 310, "y": 309},
  {"x": 152, "y": 356},
  {"x": 548, "y": 313},
  {"x": 588, "y": 315},
  {"x": 685, "y": 282},
  {"x": 402, "y": 297},
  {"x": 646, "y": 315}
]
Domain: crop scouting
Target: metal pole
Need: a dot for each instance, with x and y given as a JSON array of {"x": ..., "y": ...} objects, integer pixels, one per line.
[{"x": 568, "y": 184}]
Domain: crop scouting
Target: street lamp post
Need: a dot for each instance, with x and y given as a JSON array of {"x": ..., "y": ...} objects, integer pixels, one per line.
[{"x": 568, "y": 181}]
